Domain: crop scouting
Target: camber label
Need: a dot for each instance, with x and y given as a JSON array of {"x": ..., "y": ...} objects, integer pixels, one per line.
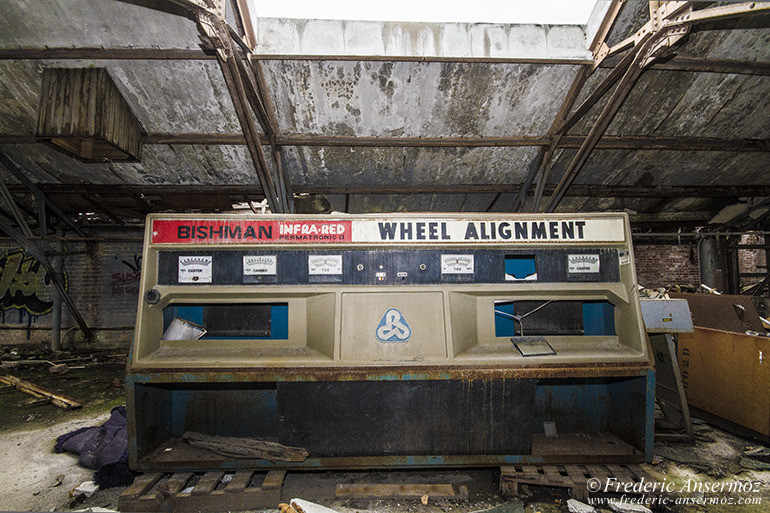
[{"x": 262, "y": 265}]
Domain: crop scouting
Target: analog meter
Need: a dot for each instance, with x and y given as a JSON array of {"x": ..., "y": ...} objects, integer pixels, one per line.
[
  {"x": 324, "y": 264},
  {"x": 456, "y": 264}
]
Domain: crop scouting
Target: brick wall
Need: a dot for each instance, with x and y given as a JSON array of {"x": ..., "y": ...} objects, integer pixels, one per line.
[
  {"x": 752, "y": 260},
  {"x": 663, "y": 266},
  {"x": 102, "y": 280}
]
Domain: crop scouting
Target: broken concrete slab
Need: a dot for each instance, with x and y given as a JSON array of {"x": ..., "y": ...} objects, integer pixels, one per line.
[
  {"x": 628, "y": 507},
  {"x": 576, "y": 506}
]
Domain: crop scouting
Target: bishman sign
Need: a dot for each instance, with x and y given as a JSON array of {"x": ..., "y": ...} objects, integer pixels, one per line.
[{"x": 394, "y": 231}]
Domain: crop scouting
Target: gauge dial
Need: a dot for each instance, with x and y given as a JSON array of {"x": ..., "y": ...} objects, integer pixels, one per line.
[
  {"x": 456, "y": 264},
  {"x": 324, "y": 264}
]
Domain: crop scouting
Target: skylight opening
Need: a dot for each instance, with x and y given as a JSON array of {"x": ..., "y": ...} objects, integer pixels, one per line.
[{"x": 546, "y": 12}]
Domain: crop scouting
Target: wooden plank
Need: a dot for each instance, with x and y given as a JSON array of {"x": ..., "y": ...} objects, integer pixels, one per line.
[
  {"x": 531, "y": 473},
  {"x": 401, "y": 491},
  {"x": 274, "y": 480},
  {"x": 638, "y": 472},
  {"x": 598, "y": 472},
  {"x": 207, "y": 483},
  {"x": 240, "y": 481},
  {"x": 141, "y": 485},
  {"x": 59, "y": 400},
  {"x": 576, "y": 474},
  {"x": 553, "y": 476},
  {"x": 175, "y": 483},
  {"x": 620, "y": 472},
  {"x": 509, "y": 471}
]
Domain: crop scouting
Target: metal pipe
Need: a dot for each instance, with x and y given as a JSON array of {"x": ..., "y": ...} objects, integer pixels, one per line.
[
  {"x": 58, "y": 266},
  {"x": 698, "y": 234}
]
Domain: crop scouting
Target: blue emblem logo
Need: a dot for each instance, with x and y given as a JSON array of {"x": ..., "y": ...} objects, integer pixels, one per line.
[{"x": 393, "y": 327}]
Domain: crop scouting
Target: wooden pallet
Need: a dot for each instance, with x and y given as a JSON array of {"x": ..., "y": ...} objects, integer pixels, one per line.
[
  {"x": 574, "y": 477},
  {"x": 370, "y": 491},
  {"x": 211, "y": 492}
]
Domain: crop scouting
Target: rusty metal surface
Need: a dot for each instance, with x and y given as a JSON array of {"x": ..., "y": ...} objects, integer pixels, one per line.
[
  {"x": 720, "y": 313},
  {"x": 727, "y": 374},
  {"x": 421, "y": 372},
  {"x": 384, "y": 462}
]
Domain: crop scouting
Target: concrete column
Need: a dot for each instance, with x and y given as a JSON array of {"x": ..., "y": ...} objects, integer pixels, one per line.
[
  {"x": 708, "y": 262},
  {"x": 58, "y": 265}
]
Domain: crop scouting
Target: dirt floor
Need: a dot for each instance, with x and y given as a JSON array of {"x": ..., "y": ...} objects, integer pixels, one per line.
[{"x": 33, "y": 478}]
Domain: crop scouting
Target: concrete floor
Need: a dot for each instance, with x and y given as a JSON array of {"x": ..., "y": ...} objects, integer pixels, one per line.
[{"x": 28, "y": 480}]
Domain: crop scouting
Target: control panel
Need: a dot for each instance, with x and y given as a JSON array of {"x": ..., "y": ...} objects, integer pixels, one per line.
[{"x": 387, "y": 266}]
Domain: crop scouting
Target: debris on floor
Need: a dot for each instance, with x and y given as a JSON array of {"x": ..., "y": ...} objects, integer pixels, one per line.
[
  {"x": 628, "y": 507},
  {"x": 303, "y": 506},
  {"x": 663, "y": 292},
  {"x": 423, "y": 492},
  {"x": 87, "y": 488},
  {"x": 245, "y": 447},
  {"x": 39, "y": 392},
  {"x": 103, "y": 448},
  {"x": 576, "y": 506}
]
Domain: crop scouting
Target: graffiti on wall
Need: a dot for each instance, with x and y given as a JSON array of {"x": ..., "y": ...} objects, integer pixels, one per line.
[
  {"x": 125, "y": 282},
  {"x": 25, "y": 286}
]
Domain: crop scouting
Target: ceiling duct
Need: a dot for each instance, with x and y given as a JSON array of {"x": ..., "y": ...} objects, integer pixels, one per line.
[{"x": 83, "y": 114}]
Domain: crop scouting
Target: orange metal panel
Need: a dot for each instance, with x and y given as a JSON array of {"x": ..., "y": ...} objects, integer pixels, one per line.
[{"x": 728, "y": 374}]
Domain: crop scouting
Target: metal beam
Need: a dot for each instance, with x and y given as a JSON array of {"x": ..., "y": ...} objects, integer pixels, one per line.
[
  {"x": 214, "y": 28},
  {"x": 13, "y": 208},
  {"x": 611, "y": 142},
  {"x": 542, "y": 165},
  {"x": 676, "y": 63},
  {"x": 21, "y": 176},
  {"x": 98, "y": 53},
  {"x": 605, "y": 118},
  {"x": 706, "y": 65},
  {"x": 55, "y": 190}
]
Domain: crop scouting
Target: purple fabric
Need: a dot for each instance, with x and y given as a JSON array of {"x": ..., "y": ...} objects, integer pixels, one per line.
[{"x": 98, "y": 445}]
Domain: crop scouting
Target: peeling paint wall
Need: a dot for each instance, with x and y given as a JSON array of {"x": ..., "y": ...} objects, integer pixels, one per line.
[{"x": 401, "y": 39}]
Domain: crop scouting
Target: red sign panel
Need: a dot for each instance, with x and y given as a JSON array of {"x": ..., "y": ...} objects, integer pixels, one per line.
[{"x": 242, "y": 231}]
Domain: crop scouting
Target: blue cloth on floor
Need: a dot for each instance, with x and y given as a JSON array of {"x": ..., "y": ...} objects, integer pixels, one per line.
[{"x": 100, "y": 447}]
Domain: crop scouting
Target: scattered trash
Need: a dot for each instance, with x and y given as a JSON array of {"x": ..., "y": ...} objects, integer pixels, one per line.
[
  {"x": 663, "y": 292},
  {"x": 549, "y": 428},
  {"x": 303, "y": 506},
  {"x": 59, "y": 368},
  {"x": 181, "y": 329},
  {"x": 424, "y": 499},
  {"x": 752, "y": 464},
  {"x": 87, "y": 488},
  {"x": 657, "y": 460},
  {"x": 576, "y": 506},
  {"x": 628, "y": 507},
  {"x": 759, "y": 453},
  {"x": 59, "y": 480},
  {"x": 703, "y": 437}
]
